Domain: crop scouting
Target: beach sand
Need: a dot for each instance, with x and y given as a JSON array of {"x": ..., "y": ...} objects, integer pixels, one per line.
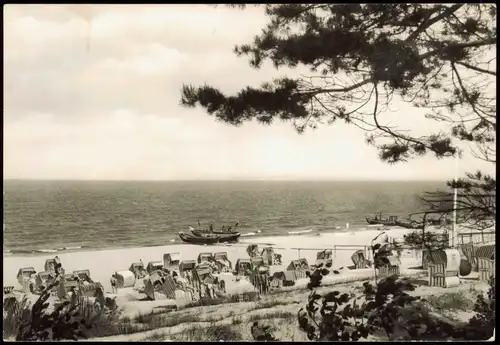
[{"x": 103, "y": 263}]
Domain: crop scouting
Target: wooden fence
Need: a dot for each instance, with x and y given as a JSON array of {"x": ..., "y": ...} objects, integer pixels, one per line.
[{"x": 476, "y": 237}]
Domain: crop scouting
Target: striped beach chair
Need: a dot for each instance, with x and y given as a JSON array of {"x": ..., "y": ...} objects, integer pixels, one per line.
[
  {"x": 486, "y": 261},
  {"x": 90, "y": 289},
  {"x": 469, "y": 252},
  {"x": 8, "y": 289},
  {"x": 432, "y": 257},
  {"x": 169, "y": 287}
]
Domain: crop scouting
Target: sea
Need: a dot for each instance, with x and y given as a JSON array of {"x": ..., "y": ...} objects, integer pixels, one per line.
[{"x": 52, "y": 216}]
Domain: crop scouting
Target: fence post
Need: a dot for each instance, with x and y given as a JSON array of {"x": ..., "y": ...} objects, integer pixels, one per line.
[{"x": 482, "y": 236}]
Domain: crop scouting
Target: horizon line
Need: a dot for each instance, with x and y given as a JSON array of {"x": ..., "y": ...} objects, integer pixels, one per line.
[{"x": 225, "y": 180}]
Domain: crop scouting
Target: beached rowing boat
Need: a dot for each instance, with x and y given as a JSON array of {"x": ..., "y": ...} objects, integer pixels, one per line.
[
  {"x": 391, "y": 221},
  {"x": 198, "y": 239}
]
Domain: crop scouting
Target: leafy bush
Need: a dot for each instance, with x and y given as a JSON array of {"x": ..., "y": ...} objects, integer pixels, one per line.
[
  {"x": 262, "y": 332},
  {"x": 64, "y": 321},
  {"x": 385, "y": 309},
  {"x": 14, "y": 312},
  {"x": 481, "y": 326}
]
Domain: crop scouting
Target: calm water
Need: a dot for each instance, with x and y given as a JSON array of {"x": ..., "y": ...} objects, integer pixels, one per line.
[{"x": 40, "y": 215}]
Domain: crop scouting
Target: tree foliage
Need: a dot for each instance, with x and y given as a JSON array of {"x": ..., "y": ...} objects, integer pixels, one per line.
[
  {"x": 362, "y": 59},
  {"x": 475, "y": 200},
  {"x": 428, "y": 240}
]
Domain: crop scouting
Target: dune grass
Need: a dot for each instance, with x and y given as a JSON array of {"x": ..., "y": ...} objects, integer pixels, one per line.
[
  {"x": 450, "y": 301},
  {"x": 14, "y": 313}
]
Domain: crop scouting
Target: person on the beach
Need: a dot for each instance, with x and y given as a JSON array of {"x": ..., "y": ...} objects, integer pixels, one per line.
[
  {"x": 113, "y": 282},
  {"x": 74, "y": 297}
]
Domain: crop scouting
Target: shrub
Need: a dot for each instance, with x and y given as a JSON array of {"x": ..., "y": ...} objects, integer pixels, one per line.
[
  {"x": 386, "y": 308},
  {"x": 481, "y": 326},
  {"x": 262, "y": 332},
  {"x": 14, "y": 313},
  {"x": 64, "y": 322}
]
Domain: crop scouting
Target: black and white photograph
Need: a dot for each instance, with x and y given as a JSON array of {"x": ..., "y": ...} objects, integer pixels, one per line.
[{"x": 249, "y": 172}]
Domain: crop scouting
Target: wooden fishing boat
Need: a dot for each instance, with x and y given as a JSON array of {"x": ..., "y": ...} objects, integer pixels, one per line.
[
  {"x": 193, "y": 239},
  {"x": 391, "y": 221},
  {"x": 223, "y": 237}
]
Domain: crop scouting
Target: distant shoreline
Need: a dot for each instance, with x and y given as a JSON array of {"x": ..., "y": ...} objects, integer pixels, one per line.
[
  {"x": 224, "y": 180},
  {"x": 178, "y": 241}
]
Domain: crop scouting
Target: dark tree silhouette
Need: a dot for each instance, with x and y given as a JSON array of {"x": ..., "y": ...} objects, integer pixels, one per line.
[
  {"x": 475, "y": 201},
  {"x": 362, "y": 57}
]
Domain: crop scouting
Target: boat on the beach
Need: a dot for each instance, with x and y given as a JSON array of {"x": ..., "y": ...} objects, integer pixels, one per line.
[
  {"x": 223, "y": 237},
  {"x": 230, "y": 230},
  {"x": 193, "y": 239},
  {"x": 378, "y": 219},
  {"x": 198, "y": 237}
]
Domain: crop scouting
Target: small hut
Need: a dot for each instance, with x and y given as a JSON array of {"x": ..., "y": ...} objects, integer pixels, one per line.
[
  {"x": 154, "y": 266},
  {"x": 136, "y": 268},
  {"x": 159, "y": 282},
  {"x": 444, "y": 270},
  {"x": 359, "y": 260},
  {"x": 124, "y": 279},
  {"x": 90, "y": 289},
  {"x": 42, "y": 278},
  {"x": 268, "y": 256},
  {"x": 65, "y": 287},
  {"x": 304, "y": 265},
  {"x": 289, "y": 278},
  {"x": 430, "y": 256},
  {"x": 389, "y": 266},
  {"x": 50, "y": 264},
  {"x": 277, "y": 276},
  {"x": 24, "y": 274},
  {"x": 8, "y": 289},
  {"x": 222, "y": 262},
  {"x": 324, "y": 257},
  {"x": 299, "y": 268},
  {"x": 83, "y": 275},
  {"x": 185, "y": 266},
  {"x": 243, "y": 267},
  {"x": 257, "y": 261},
  {"x": 294, "y": 265},
  {"x": 486, "y": 261},
  {"x": 253, "y": 250},
  {"x": 171, "y": 261},
  {"x": 205, "y": 257}
]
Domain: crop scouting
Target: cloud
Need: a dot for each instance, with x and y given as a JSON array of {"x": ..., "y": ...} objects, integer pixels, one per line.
[{"x": 93, "y": 92}]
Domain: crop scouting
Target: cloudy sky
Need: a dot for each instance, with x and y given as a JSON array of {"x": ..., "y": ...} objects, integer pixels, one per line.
[{"x": 93, "y": 93}]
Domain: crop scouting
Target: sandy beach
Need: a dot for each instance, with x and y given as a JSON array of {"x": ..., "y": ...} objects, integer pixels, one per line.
[{"x": 103, "y": 263}]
